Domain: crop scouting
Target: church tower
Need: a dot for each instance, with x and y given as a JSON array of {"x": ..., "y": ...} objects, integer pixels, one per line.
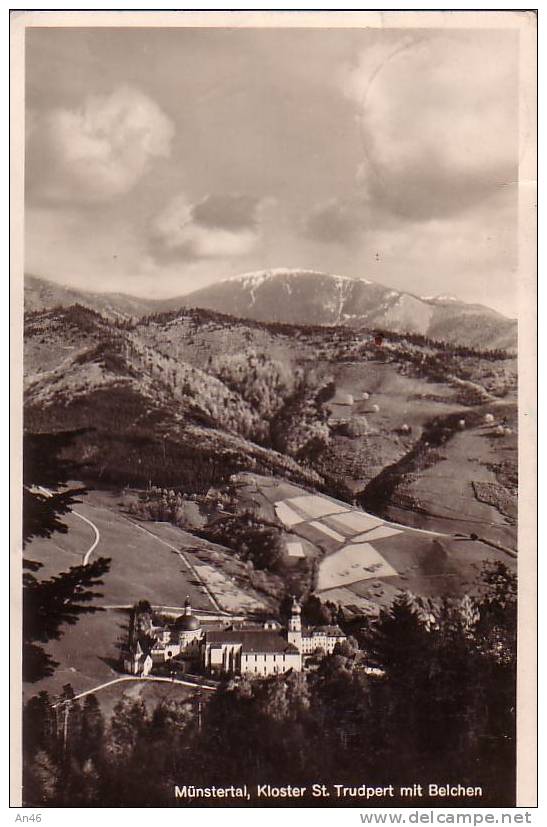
[{"x": 294, "y": 631}]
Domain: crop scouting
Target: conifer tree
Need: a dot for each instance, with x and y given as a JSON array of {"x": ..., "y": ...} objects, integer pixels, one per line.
[{"x": 48, "y": 604}]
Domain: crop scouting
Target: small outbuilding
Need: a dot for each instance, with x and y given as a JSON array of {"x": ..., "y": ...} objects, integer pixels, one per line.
[{"x": 341, "y": 398}]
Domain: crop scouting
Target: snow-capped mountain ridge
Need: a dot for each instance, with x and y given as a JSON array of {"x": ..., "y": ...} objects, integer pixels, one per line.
[
  {"x": 257, "y": 277},
  {"x": 306, "y": 297},
  {"x": 440, "y": 298},
  {"x": 313, "y": 297}
]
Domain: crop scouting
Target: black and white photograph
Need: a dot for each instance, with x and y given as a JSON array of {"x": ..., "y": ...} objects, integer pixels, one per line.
[{"x": 278, "y": 285}]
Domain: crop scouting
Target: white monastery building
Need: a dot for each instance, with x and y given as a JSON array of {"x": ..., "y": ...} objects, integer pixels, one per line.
[{"x": 236, "y": 649}]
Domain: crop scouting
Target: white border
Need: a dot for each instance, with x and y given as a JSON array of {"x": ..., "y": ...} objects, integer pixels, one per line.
[{"x": 527, "y": 344}]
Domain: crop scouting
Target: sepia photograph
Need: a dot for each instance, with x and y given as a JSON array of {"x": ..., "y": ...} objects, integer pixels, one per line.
[{"x": 277, "y": 315}]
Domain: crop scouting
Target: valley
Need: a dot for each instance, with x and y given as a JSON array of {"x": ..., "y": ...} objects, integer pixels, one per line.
[{"x": 237, "y": 461}]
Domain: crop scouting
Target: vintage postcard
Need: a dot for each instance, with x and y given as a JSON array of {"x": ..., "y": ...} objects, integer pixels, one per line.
[{"x": 274, "y": 333}]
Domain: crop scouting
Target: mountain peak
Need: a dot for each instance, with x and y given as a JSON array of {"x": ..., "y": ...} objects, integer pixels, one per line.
[{"x": 302, "y": 296}]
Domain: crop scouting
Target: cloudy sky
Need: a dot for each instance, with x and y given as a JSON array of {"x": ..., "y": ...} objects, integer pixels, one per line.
[{"x": 159, "y": 161}]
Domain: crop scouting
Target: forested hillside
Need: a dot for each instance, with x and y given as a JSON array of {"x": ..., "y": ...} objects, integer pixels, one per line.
[{"x": 185, "y": 398}]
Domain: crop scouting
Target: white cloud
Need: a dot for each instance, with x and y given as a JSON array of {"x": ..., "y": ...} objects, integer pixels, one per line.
[
  {"x": 100, "y": 150},
  {"x": 177, "y": 232},
  {"x": 438, "y": 114},
  {"x": 471, "y": 255}
]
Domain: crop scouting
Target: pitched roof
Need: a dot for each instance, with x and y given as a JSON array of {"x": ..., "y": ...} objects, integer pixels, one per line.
[
  {"x": 253, "y": 641},
  {"x": 332, "y": 631}
]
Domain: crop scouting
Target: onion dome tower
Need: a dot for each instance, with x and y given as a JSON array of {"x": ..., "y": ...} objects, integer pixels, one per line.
[{"x": 187, "y": 622}]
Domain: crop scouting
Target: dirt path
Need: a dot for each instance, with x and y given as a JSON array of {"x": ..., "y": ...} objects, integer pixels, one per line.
[{"x": 191, "y": 568}]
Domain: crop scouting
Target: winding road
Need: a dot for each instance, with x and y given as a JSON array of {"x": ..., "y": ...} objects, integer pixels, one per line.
[
  {"x": 93, "y": 546},
  {"x": 96, "y": 541},
  {"x": 146, "y": 562},
  {"x": 154, "y": 678}
]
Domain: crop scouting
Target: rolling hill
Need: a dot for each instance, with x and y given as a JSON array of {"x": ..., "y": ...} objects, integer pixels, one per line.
[{"x": 42, "y": 294}]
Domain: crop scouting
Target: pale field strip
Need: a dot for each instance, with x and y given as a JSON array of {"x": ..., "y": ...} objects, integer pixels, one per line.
[
  {"x": 378, "y": 533},
  {"x": 357, "y": 560},
  {"x": 347, "y": 598},
  {"x": 337, "y": 526},
  {"x": 313, "y": 506},
  {"x": 228, "y": 595},
  {"x": 328, "y": 531},
  {"x": 356, "y": 521},
  {"x": 354, "y": 562},
  {"x": 295, "y": 550},
  {"x": 287, "y": 516}
]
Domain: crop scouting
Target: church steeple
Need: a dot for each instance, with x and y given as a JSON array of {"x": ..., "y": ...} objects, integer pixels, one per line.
[{"x": 294, "y": 631}]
